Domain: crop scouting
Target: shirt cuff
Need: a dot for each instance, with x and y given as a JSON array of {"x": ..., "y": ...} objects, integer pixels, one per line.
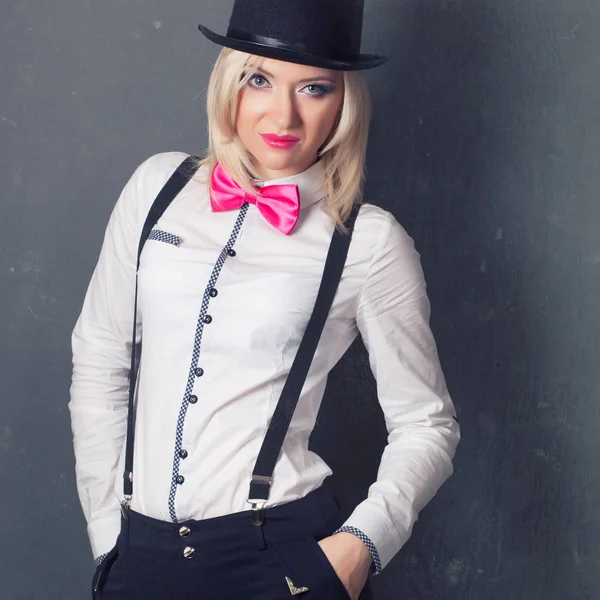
[
  {"x": 375, "y": 568},
  {"x": 104, "y": 531},
  {"x": 98, "y": 560},
  {"x": 386, "y": 535}
]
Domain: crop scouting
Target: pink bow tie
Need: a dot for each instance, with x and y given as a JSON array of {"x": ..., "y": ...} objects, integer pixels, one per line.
[{"x": 278, "y": 204}]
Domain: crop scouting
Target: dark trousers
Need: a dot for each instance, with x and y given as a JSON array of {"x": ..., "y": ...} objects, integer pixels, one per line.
[{"x": 228, "y": 557}]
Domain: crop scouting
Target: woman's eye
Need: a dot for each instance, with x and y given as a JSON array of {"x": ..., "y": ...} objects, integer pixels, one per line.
[
  {"x": 257, "y": 80},
  {"x": 313, "y": 89},
  {"x": 316, "y": 90}
]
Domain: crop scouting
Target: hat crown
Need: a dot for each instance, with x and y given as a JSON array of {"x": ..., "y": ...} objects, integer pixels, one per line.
[
  {"x": 321, "y": 33},
  {"x": 323, "y": 27}
]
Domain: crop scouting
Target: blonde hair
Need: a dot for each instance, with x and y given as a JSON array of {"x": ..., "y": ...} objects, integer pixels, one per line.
[{"x": 343, "y": 153}]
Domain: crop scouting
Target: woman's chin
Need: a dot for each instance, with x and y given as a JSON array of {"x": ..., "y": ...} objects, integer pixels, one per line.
[{"x": 278, "y": 166}]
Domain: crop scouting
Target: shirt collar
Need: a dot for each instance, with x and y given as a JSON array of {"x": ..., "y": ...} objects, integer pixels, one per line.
[{"x": 311, "y": 183}]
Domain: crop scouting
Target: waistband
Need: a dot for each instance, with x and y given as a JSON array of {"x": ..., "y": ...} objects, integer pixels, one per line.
[{"x": 316, "y": 514}]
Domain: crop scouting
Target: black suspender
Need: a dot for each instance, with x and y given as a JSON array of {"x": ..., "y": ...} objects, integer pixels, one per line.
[
  {"x": 260, "y": 481},
  {"x": 167, "y": 194}
]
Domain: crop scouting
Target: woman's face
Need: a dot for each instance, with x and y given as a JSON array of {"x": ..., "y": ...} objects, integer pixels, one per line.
[{"x": 286, "y": 99}]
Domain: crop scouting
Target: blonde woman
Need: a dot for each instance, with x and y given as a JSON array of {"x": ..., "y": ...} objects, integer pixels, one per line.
[{"x": 221, "y": 290}]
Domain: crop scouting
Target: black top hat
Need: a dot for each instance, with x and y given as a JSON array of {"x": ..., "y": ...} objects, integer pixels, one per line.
[{"x": 320, "y": 33}]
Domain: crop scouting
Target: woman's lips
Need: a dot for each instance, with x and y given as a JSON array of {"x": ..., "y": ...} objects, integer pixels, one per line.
[{"x": 281, "y": 142}]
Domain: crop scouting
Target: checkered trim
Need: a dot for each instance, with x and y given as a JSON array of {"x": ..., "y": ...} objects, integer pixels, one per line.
[
  {"x": 196, "y": 353},
  {"x": 99, "y": 559},
  {"x": 376, "y": 565},
  {"x": 164, "y": 236}
]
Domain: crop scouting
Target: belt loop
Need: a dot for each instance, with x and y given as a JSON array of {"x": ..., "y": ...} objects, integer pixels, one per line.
[
  {"x": 259, "y": 537},
  {"x": 125, "y": 531}
]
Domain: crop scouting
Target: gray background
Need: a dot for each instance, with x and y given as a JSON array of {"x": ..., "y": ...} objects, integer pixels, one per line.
[{"x": 484, "y": 145}]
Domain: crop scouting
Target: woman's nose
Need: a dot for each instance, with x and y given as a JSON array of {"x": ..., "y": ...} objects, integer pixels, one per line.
[{"x": 284, "y": 112}]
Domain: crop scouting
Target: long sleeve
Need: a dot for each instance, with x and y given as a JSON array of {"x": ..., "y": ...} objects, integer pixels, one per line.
[
  {"x": 393, "y": 318},
  {"x": 101, "y": 345}
]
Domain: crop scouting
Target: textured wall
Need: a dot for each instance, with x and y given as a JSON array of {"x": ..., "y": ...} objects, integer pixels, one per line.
[{"x": 484, "y": 145}]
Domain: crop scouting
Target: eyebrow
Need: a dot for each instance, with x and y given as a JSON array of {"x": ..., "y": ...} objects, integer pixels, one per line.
[{"x": 318, "y": 78}]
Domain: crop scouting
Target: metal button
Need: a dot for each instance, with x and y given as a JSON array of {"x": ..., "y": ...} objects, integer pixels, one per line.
[
  {"x": 189, "y": 552},
  {"x": 207, "y": 319},
  {"x": 180, "y": 478},
  {"x": 213, "y": 292},
  {"x": 199, "y": 372},
  {"x": 231, "y": 252},
  {"x": 193, "y": 399},
  {"x": 184, "y": 531},
  {"x": 183, "y": 453}
]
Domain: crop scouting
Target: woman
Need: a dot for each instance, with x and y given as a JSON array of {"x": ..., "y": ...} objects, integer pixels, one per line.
[{"x": 227, "y": 282}]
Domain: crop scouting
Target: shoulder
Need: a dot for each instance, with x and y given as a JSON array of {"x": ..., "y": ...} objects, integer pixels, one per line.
[
  {"x": 381, "y": 234},
  {"x": 145, "y": 183},
  {"x": 154, "y": 171},
  {"x": 394, "y": 270}
]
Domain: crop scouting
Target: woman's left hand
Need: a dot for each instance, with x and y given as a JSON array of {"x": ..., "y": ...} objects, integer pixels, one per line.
[{"x": 350, "y": 559}]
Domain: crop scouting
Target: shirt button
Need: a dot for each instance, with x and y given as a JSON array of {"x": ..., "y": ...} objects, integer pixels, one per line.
[
  {"x": 199, "y": 372},
  {"x": 193, "y": 399},
  {"x": 207, "y": 318},
  {"x": 213, "y": 292},
  {"x": 189, "y": 552},
  {"x": 231, "y": 252},
  {"x": 183, "y": 453},
  {"x": 180, "y": 479},
  {"x": 184, "y": 531}
]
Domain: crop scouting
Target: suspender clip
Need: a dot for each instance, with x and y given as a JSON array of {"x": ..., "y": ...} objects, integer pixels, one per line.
[
  {"x": 258, "y": 504},
  {"x": 125, "y": 504},
  {"x": 258, "y": 512}
]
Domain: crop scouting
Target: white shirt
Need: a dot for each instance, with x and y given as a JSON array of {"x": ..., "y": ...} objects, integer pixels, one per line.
[{"x": 265, "y": 295}]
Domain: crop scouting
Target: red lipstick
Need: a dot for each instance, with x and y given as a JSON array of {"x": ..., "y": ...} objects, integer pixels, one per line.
[{"x": 279, "y": 141}]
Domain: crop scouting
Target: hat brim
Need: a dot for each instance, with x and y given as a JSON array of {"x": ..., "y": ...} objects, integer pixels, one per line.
[{"x": 364, "y": 61}]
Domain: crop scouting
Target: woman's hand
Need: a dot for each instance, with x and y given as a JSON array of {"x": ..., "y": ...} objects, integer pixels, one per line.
[{"x": 350, "y": 559}]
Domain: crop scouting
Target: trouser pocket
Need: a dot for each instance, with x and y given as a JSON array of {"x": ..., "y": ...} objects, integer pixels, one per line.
[
  {"x": 305, "y": 564},
  {"x": 328, "y": 567},
  {"x": 101, "y": 572}
]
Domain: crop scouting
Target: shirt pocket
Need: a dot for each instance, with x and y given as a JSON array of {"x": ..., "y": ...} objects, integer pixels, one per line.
[{"x": 160, "y": 235}]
